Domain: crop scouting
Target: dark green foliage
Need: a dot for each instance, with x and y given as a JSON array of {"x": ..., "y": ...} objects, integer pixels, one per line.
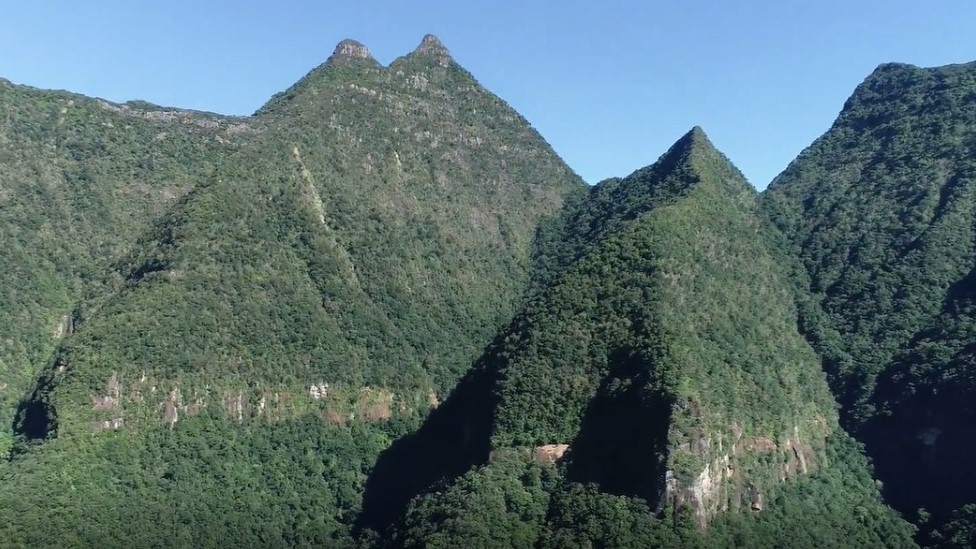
[
  {"x": 661, "y": 337},
  {"x": 499, "y": 506},
  {"x": 440, "y": 224},
  {"x": 623, "y": 436},
  {"x": 452, "y": 439},
  {"x": 79, "y": 179},
  {"x": 880, "y": 211},
  {"x": 203, "y": 484},
  {"x": 959, "y": 531},
  {"x": 627, "y": 305},
  {"x": 837, "y": 506},
  {"x": 387, "y": 213},
  {"x": 303, "y": 284},
  {"x": 502, "y": 504},
  {"x": 584, "y": 517},
  {"x": 228, "y": 330},
  {"x": 925, "y": 400}
]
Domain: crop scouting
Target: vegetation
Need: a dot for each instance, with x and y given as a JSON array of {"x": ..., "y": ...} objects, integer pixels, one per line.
[
  {"x": 663, "y": 352},
  {"x": 205, "y": 483},
  {"x": 523, "y": 504},
  {"x": 880, "y": 213},
  {"x": 260, "y": 320},
  {"x": 959, "y": 531},
  {"x": 382, "y": 312},
  {"x": 79, "y": 178}
]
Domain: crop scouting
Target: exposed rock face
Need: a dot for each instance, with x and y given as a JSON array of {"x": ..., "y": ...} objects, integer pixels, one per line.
[
  {"x": 318, "y": 391},
  {"x": 138, "y": 109},
  {"x": 115, "y": 423},
  {"x": 550, "y": 453},
  {"x": 705, "y": 494},
  {"x": 431, "y": 46},
  {"x": 348, "y": 50},
  {"x": 233, "y": 404},
  {"x": 65, "y": 327},
  {"x": 171, "y": 407},
  {"x": 109, "y": 402},
  {"x": 757, "y": 500},
  {"x": 729, "y": 481},
  {"x": 175, "y": 402},
  {"x": 798, "y": 453}
]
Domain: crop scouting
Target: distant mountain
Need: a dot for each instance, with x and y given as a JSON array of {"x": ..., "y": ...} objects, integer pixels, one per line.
[
  {"x": 880, "y": 211},
  {"x": 655, "y": 392},
  {"x": 243, "y": 322}
]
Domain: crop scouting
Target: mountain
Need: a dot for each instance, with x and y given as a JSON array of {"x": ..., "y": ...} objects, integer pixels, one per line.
[
  {"x": 653, "y": 391},
  {"x": 79, "y": 179},
  {"x": 880, "y": 213},
  {"x": 242, "y": 331},
  {"x": 382, "y": 312}
]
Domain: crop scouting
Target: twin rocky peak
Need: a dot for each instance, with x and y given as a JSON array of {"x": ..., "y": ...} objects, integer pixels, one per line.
[{"x": 350, "y": 50}]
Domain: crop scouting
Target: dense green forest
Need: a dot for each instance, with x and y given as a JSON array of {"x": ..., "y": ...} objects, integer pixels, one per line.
[
  {"x": 382, "y": 312},
  {"x": 656, "y": 392},
  {"x": 334, "y": 269},
  {"x": 880, "y": 213}
]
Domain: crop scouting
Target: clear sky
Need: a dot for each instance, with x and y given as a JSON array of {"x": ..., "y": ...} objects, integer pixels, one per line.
[{"x": 610, "y": 84}]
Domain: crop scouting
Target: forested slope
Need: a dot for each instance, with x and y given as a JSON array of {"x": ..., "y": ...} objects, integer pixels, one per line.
[
  {"x": 381, "y": 311},
  {"x": 251, "y": 344},
  {"x": 655, "y": 392},
  {"x": 880, "y": 211}
]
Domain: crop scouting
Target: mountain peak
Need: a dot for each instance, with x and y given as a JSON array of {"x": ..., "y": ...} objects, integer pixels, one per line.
[
  {"x": 348, "y": 50},
  {"x": 692, "y": 144},
  {"x": 695, "y": 139},
  {"x": 690, "y": 161},
  {"x": 888, "y": 84},
  {"x": 431, "y": 46}
]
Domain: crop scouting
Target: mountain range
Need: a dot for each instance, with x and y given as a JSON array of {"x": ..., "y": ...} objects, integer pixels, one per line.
[{"x": 382, "y": 312}]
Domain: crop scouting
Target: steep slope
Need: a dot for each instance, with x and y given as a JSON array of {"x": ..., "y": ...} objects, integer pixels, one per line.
[
  {"x": 923, "y": 434},
  {"x": 80, "y": 178},
  {"x": 436, "y": 195},
  {"x": 880, "y": 211},
  {"x": 304, "y": 304},
  {"x": 661, "y": 371}
]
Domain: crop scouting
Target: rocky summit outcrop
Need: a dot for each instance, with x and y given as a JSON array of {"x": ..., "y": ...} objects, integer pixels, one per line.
[
  {"x": 349, "y": 49},
  {"x": 431, "y": 46}
]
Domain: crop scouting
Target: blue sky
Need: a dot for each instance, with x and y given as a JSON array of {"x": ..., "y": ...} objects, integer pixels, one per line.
[{"x": 609, "y": 84}]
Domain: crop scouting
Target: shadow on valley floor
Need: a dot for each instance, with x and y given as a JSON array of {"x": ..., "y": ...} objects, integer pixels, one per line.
[
  {"x": 622, "y": 445},
  {"x": 455, "y": 437},
  {"x": 36, "y": 418},
  {"x": 923, "y": 450}
]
